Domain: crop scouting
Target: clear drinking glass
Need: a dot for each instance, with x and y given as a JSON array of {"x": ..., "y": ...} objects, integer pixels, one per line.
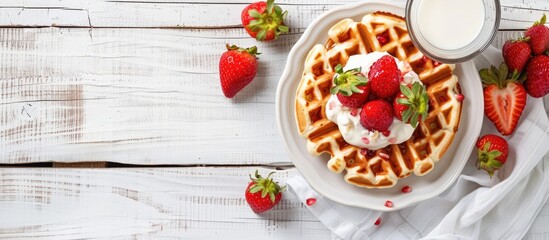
[{"x": 416, "y": 13}]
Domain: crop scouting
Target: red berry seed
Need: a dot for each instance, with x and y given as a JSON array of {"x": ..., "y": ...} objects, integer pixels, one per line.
[
  {"x": 436, "y": 64},
  {"x": 310, "y": 201},
  {"x": 389, "y": 204},
  {"x": 406, "y": 189},
  {"x": 386, "y": 133},
  {"x": 460, "y": 97},
  {"x": 383, "y": 38},
  {"x": 378, "y": 221},
  {"x": 353, "y": 112},
  {"x": 365, "y": 140},
  {"x": 364, "y": 151},
  {"x": 392, "y": 140}
]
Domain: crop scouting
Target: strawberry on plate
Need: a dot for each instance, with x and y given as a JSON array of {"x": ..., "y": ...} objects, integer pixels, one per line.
[
  {"x": 264, "y": 20},
  {"x": 237, "y": 68},
  {"x": 492, "y": 153},
  {"x": 377, "y": 115},
  {"x": 263, "y": 194},
  {"x": 539, "y": 36},
  {"x": 537, "y": 76},
  {"x": 384, "y": 77},
  {"x": 412, "y": 104},
  {"x": 504, "y": 98},
  {"x": 516, "y": 54},
  {"x": 351, "y": 87}
]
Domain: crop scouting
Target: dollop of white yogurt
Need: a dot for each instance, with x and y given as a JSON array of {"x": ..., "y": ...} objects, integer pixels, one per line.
[{"x": 348, "y": 119}]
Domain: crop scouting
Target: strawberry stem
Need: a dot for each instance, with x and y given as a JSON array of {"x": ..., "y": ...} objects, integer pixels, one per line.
[
  {"x": 417, "y": 101},
  {"x": 266, "y": 185},
  {"x": 347, "y": 83},
  {"x": 272, "y": 19},
  {"x": 250, "y": 50}
]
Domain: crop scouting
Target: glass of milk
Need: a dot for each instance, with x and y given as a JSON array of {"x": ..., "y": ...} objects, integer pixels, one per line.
[{"x": 452, "y": 31}]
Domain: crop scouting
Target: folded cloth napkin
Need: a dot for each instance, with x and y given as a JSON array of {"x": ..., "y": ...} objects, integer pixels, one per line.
[{"x": 475, "y": 207}]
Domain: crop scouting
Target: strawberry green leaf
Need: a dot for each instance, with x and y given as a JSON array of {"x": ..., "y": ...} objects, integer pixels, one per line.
[
  {"x": 254, "y": 13},
  {"x": 261, "y": 34},
  {"x": 503, "y": 72},
  {"x": 346, "y": 83},
  {"x": 270, "y": 6},
  {"x": 283, "y": 28}
]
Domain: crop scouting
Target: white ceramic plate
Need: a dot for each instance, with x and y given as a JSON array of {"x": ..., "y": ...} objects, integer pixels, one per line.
[{"x": 332, "y": 185}]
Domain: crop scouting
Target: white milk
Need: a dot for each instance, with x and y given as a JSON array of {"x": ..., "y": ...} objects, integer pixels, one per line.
[{"x": 450, "y": 24}]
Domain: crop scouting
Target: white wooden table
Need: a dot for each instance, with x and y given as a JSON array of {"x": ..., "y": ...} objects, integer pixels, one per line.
[{"x": 135, "y": 83}]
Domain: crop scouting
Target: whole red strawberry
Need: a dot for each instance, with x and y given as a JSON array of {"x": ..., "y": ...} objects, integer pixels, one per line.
[
  {"x": 264, "y": 20},
  {"x": 350, "y": 87},
  {"x": 237, "y": 68},
  {"x": 377, "y": 115},
  {"x": 263, "y": 194},
  {"x": 537, "y": 76},
  {"x": 384, "y": 77},
  {"x": 492, "y": 153},
  {"x": 539, "y": 36},
  {"x": 516, "y": 54},
  {"x": 412, "y": 104},
  {"x": 504, "y": 98}
]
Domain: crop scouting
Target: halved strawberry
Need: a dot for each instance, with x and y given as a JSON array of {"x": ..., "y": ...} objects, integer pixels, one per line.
[
  {"x": 351, "y": 87},
  {"x": 504, "y": 98},
  {"x": 412, "y": 104},
  {"x": 264, "y": 20}
]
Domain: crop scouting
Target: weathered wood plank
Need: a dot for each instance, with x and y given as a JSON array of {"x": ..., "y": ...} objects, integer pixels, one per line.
[
  {"x": 134, "y": 96},
  {"x": 197, "y": 13},
  {"x": 182, "y": 203},
  {"x": 137, "y": 96},
  {"x": 188, "y": 203}
]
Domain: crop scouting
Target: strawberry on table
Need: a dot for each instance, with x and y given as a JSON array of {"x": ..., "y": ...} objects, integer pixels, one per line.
[
  {"x": 263, "y": 194},
  {"x": 384, "y": 77},
  {"x": 537, "y": 76},
  {"x": 516, "y": 54},
  {"x": 264, "y": 20},
  {"x": 504, "y": 98},
  {"x": 539, "y": 36},
  {"x": 412, "y": 104},
  {"x": 377, "y": 115},
  {"x": 492, "y": 152},
  {"x": 351, "y": 87},
  {"x": 237, "y": 68}
]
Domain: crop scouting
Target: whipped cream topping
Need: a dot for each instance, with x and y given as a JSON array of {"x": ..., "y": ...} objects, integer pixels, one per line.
[{"x": 348, "y": 119}]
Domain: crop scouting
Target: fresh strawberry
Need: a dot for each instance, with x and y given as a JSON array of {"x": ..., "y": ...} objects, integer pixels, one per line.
[
  {"x": 516, "y": 54},
  {"x": 539, "y": 36},
  {"x": 492, "y": 153},
  {"x": 351, "y": 87},
  {"x": 237, "y": 68},
  {"x": 504, "y": 98},
  {"x": 263, "y": 194},
  {"x": 377, "y": 115},
  {"x": 384, "y": 77},
  {"x": 537, "y": 76},
  {"x": 412, "y": 104},
  {"x": 264, "y": 20}
]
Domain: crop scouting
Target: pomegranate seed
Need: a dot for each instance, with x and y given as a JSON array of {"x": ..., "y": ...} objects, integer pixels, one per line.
[
  {"x": 378, "y": 221},
  {"x": 442, "y": 98},
  {"x": 460, "y": 97},
  {"x": 436, "y": 64},
  {"x": 370, "y": 153},
  {"x": 386, "y": 133},
  {"x": 406, "y": 189},
  {"x": 384, "y": 156},
  {"x": 310, "y": 201},
  {"x": 392, "y": 140},
  {"x": 383, "y": 38},
  {"x": 331, "y": 106},
  {"x": 389, "y": 204},
  {"x": 364, "y": 151},
  {"x": 353, "y": 112},
  {"x": 365, "y": 140}
]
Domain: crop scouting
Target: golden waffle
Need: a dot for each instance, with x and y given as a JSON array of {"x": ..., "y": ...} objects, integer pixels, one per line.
[{"x": 381, "y": 168}]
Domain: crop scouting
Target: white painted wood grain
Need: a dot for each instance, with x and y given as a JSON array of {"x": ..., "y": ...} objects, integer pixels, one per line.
[
  {"x": 516, "y": 14},
  {"x": 138, "y": 96},
  {"x": 144, "y": 96},
  {"x": 182, "y": 203}
]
